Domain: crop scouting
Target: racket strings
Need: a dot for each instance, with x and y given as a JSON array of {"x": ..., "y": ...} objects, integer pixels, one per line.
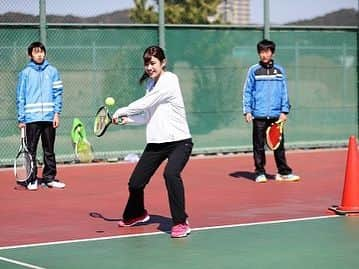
[
  {"x": 274, "y": 135},
  {"x": 101, "y": 121},
  {"x": 23, "y": 166}
]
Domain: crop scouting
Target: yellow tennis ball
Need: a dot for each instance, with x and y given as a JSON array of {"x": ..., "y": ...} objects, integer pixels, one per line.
[{"x": 110, "y": 101}]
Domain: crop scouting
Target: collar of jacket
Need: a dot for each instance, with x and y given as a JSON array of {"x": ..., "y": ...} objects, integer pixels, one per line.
[
  {"x": 38, "y": 67},
  {"x": 268, "y": 65}
]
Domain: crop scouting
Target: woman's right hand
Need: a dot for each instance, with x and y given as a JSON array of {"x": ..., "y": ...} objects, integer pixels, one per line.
[{"x": 121, "y": 120}]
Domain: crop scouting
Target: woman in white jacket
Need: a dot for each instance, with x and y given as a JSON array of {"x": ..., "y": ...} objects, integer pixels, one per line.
[{"x": 168, "y": 137}]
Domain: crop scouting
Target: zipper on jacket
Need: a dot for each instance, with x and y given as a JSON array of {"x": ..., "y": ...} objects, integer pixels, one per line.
[
  {"x": 269, "y": 103},
  {"x": 42, "y": 101},
  {"x": 270, "y": 96}
]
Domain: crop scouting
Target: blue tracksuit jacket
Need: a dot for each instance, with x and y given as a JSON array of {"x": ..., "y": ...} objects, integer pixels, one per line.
[
  {"x": 38, "y": 93},
  {"x": 265, "y": 92}
]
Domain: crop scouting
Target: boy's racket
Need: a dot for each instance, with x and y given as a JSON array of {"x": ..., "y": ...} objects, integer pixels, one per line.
[
  {"x": 274, "y": 134},
  {"x": 103, "y": 119},
  {"x": 23, "y": 164}
]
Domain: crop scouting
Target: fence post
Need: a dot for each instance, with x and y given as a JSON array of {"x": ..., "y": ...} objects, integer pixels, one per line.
[
  {"x": 161, "y": 24},
  {"x": 42, "y": 16},
  {"x": 266, "y": 19}
]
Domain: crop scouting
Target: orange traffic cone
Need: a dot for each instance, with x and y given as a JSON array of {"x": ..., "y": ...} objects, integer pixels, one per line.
[{"x": 350, "y": 198}]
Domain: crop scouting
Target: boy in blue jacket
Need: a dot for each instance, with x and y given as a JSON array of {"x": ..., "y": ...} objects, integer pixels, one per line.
[
  {"x": 39, "y": 104},
  {"x": 265, "y": 100}
]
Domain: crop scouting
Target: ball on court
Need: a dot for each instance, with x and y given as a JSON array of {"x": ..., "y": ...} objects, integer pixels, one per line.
[{"x": 110, "y": 101}]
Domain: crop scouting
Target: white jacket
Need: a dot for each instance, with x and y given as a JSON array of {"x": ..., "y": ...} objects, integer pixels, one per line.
[{"x": 162, "y": 108}]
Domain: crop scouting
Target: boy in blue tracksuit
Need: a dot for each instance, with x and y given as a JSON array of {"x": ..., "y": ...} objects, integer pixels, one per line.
[
  {"x": 39, "y": 104},
  {"x": 265, "y": 100}
]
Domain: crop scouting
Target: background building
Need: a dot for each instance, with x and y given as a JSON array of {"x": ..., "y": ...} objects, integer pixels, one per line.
[{"x": 235, "y": 11}]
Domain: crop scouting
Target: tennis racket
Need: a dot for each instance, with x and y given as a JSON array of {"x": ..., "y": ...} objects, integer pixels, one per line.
[
  {"x": 103, "y": 119},
  {"x": 274, "y": 134},
  {"x": 23, "y": 164}
]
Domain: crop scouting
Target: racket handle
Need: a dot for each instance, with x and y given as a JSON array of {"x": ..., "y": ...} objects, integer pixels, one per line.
[{"x": 22, "y": 130}]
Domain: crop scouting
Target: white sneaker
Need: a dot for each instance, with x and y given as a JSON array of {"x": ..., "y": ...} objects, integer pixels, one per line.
[
  {"x": 32, "y": 186},
  {"x": 261, "y": 178},
  {"x": 56, "y": 184},
  {"x": 290, "y": 177}
]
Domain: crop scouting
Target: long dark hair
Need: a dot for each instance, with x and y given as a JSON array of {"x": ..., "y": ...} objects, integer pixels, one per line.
[{"x": 154, "y": 51}]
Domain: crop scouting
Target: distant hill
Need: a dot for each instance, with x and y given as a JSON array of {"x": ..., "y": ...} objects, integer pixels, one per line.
[
  {"x": 343, "y": 17},
  {"x": 120, "y": 16}
]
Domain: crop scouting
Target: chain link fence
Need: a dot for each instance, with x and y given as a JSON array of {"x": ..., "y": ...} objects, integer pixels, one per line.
[{"x": 99, "y": 60}]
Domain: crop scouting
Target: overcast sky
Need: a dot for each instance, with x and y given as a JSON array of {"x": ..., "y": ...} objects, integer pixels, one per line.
[{"x": 281, "y": 11}]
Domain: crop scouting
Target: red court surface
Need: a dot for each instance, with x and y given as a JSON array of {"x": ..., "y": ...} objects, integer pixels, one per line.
[{"x": 219, "y": 191}]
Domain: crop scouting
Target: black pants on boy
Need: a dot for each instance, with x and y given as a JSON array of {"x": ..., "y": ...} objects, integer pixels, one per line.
[
  {"x": 259, "y": 139},
  {"x": 47, "y": 132},
  {"x": 177, "y": 153}
]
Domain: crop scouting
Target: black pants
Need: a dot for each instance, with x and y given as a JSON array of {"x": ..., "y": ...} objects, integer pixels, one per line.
[
  {"x": 177, "y": 153},
  {"x": 259, "y": 140},
  {"x": 47, "y": 132}
]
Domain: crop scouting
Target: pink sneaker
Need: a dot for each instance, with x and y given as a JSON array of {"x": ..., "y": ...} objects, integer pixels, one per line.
[
  {"x": 131, "y": 222},
  {"x": 180, "y": 230}
]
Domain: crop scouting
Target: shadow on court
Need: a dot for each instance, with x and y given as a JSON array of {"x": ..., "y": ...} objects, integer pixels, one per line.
[
  {"x": 249, "y": 175},
  {"x": 164, "y": 223}
]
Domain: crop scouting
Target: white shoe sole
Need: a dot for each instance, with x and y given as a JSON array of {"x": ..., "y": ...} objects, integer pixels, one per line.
[
  {"x": 32, "y": 187},
  {"x": 122, "y": 224}
]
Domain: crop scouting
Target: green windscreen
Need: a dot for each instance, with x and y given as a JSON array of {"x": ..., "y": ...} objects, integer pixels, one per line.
[{"x": 212, "y": 63}]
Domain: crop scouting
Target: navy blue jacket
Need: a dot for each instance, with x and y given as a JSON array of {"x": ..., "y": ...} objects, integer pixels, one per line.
[{"x": 265, "y": 93}]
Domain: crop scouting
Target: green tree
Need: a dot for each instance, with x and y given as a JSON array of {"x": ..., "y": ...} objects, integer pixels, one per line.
[
  {"x": 177, "y": 11},
  {"x": 142, "y": 13}
]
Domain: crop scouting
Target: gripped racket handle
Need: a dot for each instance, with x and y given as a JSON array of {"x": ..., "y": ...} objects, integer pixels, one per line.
[
  {"x": 23, "y": 137},
  {"x": 22, "y": 132}
]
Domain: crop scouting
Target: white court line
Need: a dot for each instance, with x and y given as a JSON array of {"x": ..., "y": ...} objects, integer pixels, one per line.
[
  {"x": 263, "y": 222},
  {"x": 156, "y": 233},
  {"x": 27, "y": 265}
]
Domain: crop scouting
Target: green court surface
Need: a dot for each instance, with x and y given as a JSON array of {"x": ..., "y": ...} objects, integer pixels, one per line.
[{"x": 323, "y": 242}]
